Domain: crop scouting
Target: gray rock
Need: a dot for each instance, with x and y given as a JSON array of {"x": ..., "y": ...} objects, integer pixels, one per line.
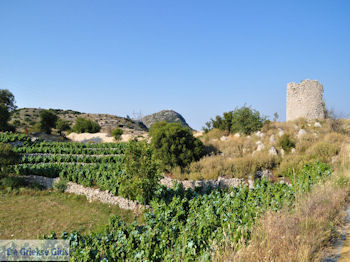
[
  {"x": 301, "y": 133},
  {"x": 169, "y": 116},
  {"x": 273, "y": 151},
  {"x": 261, "y": 146},
  {"x": 224, "y": 138},
  {"x": 282, "y": 152},
  {"x": 280, "y": 132},
  {"x": 317, "y": 124}
]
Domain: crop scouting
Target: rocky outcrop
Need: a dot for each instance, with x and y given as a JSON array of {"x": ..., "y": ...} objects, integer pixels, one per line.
[{"x": 169, "y": 116}]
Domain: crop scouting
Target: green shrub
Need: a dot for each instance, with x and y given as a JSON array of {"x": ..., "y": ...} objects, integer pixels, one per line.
[
  {"x": 7, "y": 99},
  {"x": 117, "y": 133},
  {"x": 7, "y": 157},
  {"x": 141, "y": 178},
  {"x": 48, "y": 121},
  {"x": 243, "y": 120},
  {"x": 62, "y": 125},
  {"x": 83, "y": 125},
  {"x": 4, "y": 118},
  {"x": 13, "y": 182},
  {"x": 175, "y": 145},
  {"x": 286, "y": 142},
  {"x": 61, "y": 185}
]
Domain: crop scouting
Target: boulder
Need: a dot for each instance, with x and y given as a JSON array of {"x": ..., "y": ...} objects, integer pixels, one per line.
[
  {"x": 280, "y": 132},
  {"x": 260, "y": 146},
  {"x": 301, "y": 133},
  {"x": 317, "y": 124},
  {"x": 273, "y": 151}
]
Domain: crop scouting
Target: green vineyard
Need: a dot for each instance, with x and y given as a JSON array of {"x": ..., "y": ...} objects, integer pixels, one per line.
[{"x": 180, "y": 225}]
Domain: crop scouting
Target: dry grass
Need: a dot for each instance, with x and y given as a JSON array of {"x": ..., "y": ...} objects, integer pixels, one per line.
[
  {"x": 237, "y": 156},
  {"x": 29, "y": 213},
  {"x": 303, "y": 233}
]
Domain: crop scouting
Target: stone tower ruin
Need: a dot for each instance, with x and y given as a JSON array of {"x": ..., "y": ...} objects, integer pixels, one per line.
[{"x": 305, "y": 100}]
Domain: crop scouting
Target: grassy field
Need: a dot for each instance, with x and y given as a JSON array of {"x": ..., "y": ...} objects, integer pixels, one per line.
[{"x": 28, "y": 213}]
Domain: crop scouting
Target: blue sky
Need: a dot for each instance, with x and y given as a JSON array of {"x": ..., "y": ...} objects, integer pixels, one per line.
[{"x": 200, "y": 58}]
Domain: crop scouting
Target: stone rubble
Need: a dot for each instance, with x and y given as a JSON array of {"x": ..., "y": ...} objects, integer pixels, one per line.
[{"x": 273, "y": 151}]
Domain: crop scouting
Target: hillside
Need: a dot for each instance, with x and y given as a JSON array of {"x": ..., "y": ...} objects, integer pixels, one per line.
[
  {"x": 169, "y": 116},
  {"x": 27, "y": 117}
]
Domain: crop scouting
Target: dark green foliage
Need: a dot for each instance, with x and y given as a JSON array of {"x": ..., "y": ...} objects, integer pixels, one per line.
[
  {"x": 4, "y": 118},
  {"x": 243, "y": 120},
  {"x": 186, "y": 226},
  {"x": 117, "y": 133},
  {"x": 141, "y": 171},
  {"x": 61, "y": 185},
  {"x": 83, "y": 125},
  {"x": 48, "y": 121},
  {"x": 7, "y": 99},
  {"x": 13, "y": 182},
  {"x": 286, "y": 142},
  {"x": 62, "y": 125},
  {"x": 7, "y": 157},
  {"x": 174, "y": 145}
]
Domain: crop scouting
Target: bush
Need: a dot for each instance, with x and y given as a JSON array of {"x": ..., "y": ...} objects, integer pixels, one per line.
[
  {"x": 249, "y": 165},
  {"x": 13, "y": 182},
  {"x": 62, "y": 125},
  {"x": 48, "y": 121},
  {"x": 7, "y": 157},
  {"x": 174, "y": 145},
  {"x": 117, "y": 133},
  {"x": 7, "y": 99},
  {"x": 4, "y": 118},
  {"x": 83, "y": 125},
  {"x": 242, "y": 120},
  {"x": 61, "y": 185},
  {"x": 286, "y": 142},
  {"x": 141, "y": 177}
]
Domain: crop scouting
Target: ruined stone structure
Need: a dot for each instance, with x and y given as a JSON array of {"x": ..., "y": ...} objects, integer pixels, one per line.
[{"x": 305, "y": 100}]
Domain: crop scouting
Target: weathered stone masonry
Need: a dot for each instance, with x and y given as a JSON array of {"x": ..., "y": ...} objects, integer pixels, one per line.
[{"x": 305, "y": 100}]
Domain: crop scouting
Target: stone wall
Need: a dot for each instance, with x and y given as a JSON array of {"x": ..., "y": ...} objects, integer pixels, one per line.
[
  {"x": 305, "y": 100},
  {"x": 220, "y": 182}
]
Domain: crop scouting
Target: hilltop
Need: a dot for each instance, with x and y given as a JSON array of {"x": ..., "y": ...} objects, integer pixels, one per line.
[
  {"x": 169, "y": 116},
  {"x": 27, "y": 117}
]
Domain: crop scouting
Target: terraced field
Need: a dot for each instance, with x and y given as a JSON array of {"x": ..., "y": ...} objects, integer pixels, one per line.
[{"x": 187, "y": 225}]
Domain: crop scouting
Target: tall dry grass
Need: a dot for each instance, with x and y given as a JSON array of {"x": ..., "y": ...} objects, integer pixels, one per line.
[{"x": 303, "y": 233}]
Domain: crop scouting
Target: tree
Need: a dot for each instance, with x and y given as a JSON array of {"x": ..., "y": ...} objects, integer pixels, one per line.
[
  {"x": 48, "y": 121},
  {"x": 275, "y": 117},
  {"x": 7, "y": 99},
  {"x": 243, "y": 120},
  {"x": 7, "y": 157},
  {"x": 117, "y": 133},
  {"x": 246, "y": 120},
  {"x": 174, "y": 145},
  {"x": 4, "y": 117},
  {"x": 83, "y": 125},
  {"x": 62, "y": 125},
  {"x": 141, "y": 170}
]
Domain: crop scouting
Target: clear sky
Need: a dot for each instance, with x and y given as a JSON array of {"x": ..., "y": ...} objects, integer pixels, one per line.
[{"x": 198, "y": 57}]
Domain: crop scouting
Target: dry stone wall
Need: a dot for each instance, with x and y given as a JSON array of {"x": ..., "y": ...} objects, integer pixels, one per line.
[{"x": 305, "y": 100}]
